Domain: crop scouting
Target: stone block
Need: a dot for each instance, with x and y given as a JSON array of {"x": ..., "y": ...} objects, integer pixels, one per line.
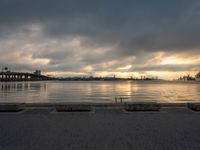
[
  {"x": 142, "y": 106},
  {"x": 11, "y": 107},
  {"x": 194, "y": 106}
]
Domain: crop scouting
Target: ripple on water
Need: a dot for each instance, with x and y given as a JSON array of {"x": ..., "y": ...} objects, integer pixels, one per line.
[{"x": 101, "y": 91}]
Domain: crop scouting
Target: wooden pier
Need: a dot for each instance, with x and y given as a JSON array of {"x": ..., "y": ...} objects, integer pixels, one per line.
[{"x": 20, "y": 76}]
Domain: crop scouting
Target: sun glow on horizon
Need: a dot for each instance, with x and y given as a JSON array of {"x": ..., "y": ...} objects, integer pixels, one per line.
[{"x": 180, "y": 60}]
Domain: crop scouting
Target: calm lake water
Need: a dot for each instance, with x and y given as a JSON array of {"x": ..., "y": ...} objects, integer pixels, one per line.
[{"x": 100, "y": 91}]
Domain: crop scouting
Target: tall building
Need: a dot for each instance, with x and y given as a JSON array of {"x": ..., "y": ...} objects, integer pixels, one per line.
[{"x": 37, "y": 72}]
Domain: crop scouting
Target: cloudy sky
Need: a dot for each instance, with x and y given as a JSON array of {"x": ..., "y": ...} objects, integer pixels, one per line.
[{"x": 101, "y": 37}]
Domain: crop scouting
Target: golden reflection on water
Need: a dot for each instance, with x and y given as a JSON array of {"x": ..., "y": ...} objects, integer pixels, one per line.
[{"x": 100, "y": 91}]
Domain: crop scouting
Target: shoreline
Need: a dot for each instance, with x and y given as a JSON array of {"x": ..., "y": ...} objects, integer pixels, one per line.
[{"x": 15, "y": 105}]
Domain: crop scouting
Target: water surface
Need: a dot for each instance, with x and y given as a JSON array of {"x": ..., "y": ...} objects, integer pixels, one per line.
[{"x": 100, "y": 91}]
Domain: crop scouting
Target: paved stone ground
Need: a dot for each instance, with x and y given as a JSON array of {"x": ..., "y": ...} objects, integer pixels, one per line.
[{"x": 106, "y": 129}]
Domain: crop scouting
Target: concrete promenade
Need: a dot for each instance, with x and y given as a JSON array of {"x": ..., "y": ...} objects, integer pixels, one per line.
[{"x": 104, "y": 128}]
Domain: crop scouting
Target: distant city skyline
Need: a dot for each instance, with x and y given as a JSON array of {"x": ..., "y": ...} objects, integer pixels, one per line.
[{"x": 101, "y": 38}]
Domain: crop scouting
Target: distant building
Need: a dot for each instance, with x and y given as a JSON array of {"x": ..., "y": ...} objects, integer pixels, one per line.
[
  {"x": 37, "y": 72},
  {"x": 5, "y": 69},
  {"x": 186, "y": 78}
]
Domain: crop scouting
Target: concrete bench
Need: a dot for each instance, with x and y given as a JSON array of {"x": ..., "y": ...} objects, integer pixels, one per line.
[
  {"x": 73, "y": 107},
  {"x": 11, "y": 107},
  {"x": 142, "y": 106},
  {"x": 194, "y": 106}
]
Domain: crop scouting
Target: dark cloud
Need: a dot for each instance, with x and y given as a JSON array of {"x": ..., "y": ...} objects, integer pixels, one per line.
[{"x": 106, "y": 31}]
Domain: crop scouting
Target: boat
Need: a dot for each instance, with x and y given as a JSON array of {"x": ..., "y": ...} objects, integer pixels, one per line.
[{"x": 197, "y": 77}]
